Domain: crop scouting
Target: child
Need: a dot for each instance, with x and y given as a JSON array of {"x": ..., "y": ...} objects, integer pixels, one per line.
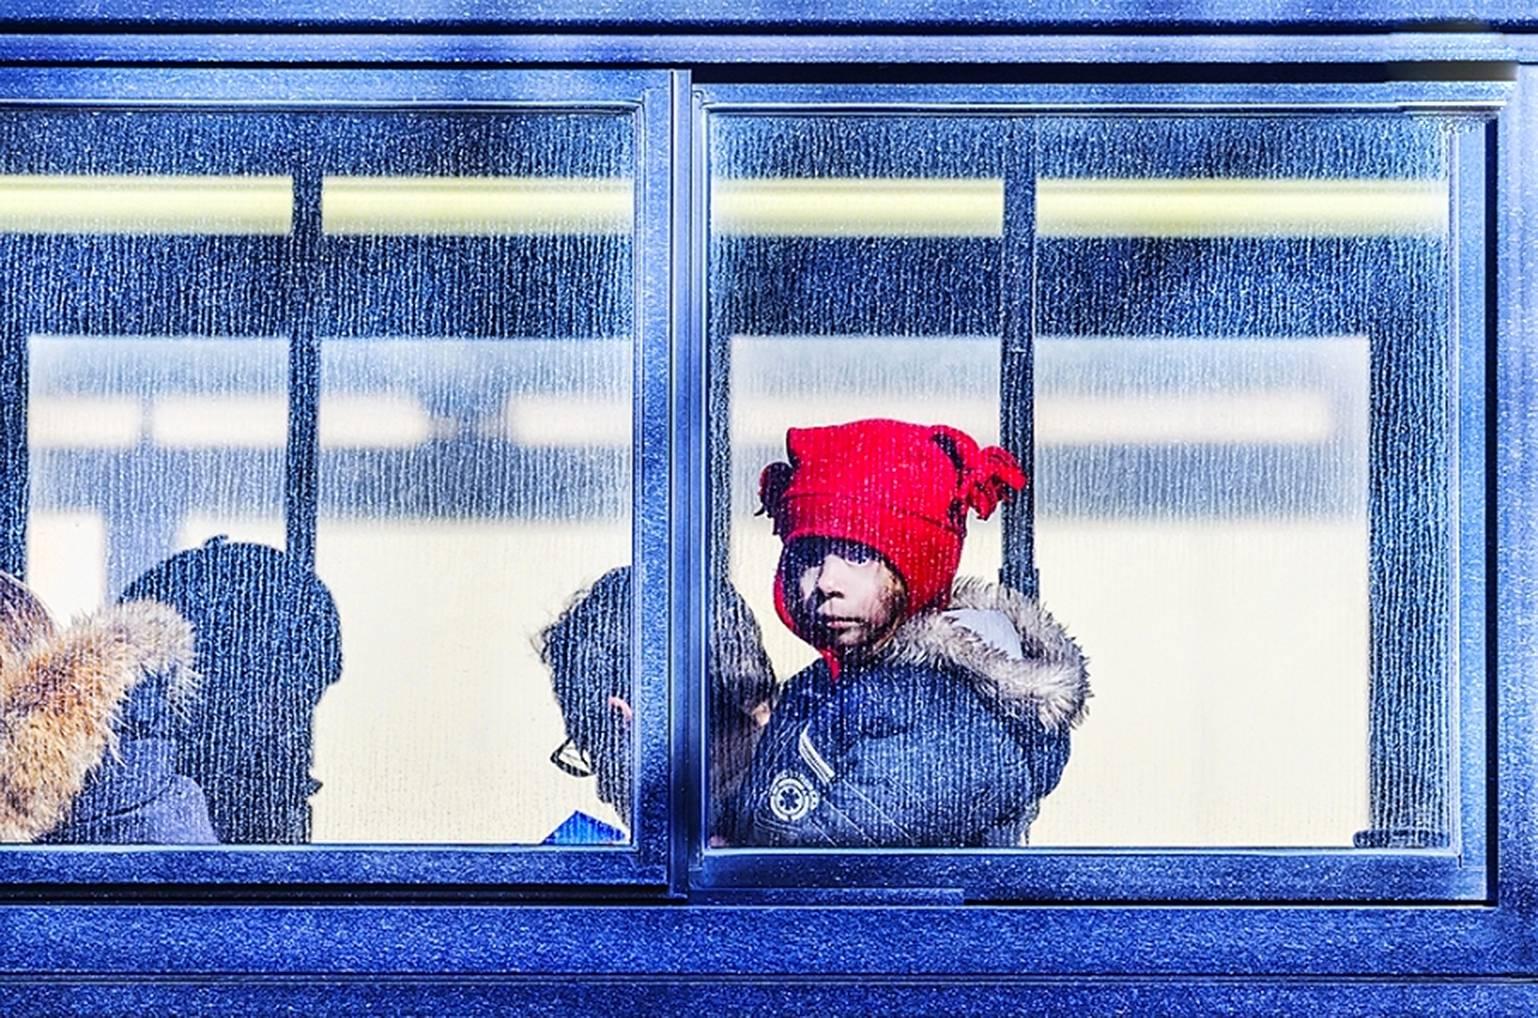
[
  {"x": 88, "y": 719},
  {"x": 939, "y": 713}
]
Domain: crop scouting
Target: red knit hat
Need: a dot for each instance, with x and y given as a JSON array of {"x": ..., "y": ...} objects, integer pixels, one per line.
[{"x": 902, "y": 489}]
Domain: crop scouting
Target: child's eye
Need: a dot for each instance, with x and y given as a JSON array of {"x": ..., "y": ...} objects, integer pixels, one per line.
[{"x": 856, "y": 553}]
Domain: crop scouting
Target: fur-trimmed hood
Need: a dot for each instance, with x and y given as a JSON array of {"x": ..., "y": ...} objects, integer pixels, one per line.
[
  {"x": 60, "y": 701},
  {"x": 1015, "y": 653}
]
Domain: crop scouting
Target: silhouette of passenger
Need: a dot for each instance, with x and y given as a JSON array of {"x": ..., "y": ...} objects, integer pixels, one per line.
[
  {"x": 587, "y": 650},
  {"x": 268, "y": 644}
]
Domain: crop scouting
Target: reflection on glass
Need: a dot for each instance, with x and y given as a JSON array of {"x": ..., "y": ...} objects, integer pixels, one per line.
[
  {"x": 132, "y": 437},
  {"x": 453, "y": 529},
  {"x": 1241, "y": 444},
  {"x": 1202, "y": 517},
  {"x": 475, "y": 409},
  {"x": 187, "y": 204},
  {"x": 460, "y": 308},
  {"x": 1242, "y": 298}
]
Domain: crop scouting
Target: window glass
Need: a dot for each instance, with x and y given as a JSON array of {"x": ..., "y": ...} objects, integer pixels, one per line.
[
  {"x": 855, "y": 272},
  {"x": 351, "y": 394},
  {"x": 1237, "y": 434},
  {"x": 145, "y": 333},
  {"x": 475, "y": 475}
]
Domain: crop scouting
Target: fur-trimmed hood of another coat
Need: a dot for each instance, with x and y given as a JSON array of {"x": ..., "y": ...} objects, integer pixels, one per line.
[
  {"x": 60, "y": 700},
  {"x": 1045, "y": 677}
]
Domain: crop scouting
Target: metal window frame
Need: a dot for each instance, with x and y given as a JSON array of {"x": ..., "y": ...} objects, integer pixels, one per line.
[
  {"x": 351, "y": 951},
  {"x": 646, "y": 97},
  {"x": 974, "y": 16},
  {"x": 1146, "y": 874}
]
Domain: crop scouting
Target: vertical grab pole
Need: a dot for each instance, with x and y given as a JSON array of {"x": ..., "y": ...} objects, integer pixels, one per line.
[
  {"x": 305, "y": 291},
  {"x": 1017, "y": 284},
  {"x": 14, "y": 464}
]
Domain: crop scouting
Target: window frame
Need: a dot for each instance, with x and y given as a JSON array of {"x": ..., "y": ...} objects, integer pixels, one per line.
[
  {"x": 646, "y": 98},
  {"x": 101, "y": 948},
  {"x": 1161, "y": 874}
]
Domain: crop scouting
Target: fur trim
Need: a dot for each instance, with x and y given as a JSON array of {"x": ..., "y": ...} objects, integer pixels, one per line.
[
  {"x": 59, "y": 704},
  {"x": 1050, "y": 683}
]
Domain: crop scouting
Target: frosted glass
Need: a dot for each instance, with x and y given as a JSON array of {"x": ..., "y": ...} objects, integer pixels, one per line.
[
  {"x": 1239, "y": 405},
  {"x": 475, "y": 468},
  {"x": 398, "y": 341},
  {"x": 148, "y": 433},
  {"x": 448, "y": 550}
]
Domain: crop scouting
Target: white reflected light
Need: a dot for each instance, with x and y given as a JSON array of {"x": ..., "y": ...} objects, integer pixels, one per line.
[
  {"x": 852, "y": 206},
  {"x": 566, "y": 421},
  {"x": 255, "y": 421},
  {"x": 84, "y": 422},
  {"x": 385, "y": 420},
  {"x": 1160, "y": 207},
  {"x": 347, "y": 420},
  {"x": 859, "y": 206},
  {"x": 1132, "y": 207},
  {"x": 1259, "y": 417}
]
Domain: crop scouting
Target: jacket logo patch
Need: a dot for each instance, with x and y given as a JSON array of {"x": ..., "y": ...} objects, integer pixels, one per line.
[{"x": 792, "y": 797}]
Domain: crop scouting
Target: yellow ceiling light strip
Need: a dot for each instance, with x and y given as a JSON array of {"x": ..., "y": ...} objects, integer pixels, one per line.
[
  {"x": 1138, "y": 207},
  {"x": 859, "y": 207},
  {"x": 476, "y": 206},
  {"x": 809, "y": 207},
  {"x": 1218, "y": 207},
  {"x": 126, "y": 203}
]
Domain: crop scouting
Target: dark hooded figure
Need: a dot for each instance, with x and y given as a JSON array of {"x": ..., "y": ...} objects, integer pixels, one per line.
[
  {"x": 88, "y": 719},
  {"x": 268, "y": 641},
  {"x": 587, "y": 650},
  {"x": 938, "y": 716}
]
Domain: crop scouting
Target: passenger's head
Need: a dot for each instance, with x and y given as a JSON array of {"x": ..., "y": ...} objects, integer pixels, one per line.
[
  {"x": 841, "y": 595},
  {"x": 875, "y": 501},
  {"x": 742, "y": 687},
  {"x": 23, "y": 619},
  {"x": 268, "y": 645},
  {"x": 587, "y": 650}
]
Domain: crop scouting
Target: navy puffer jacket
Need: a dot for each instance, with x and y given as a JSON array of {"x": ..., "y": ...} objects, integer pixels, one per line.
[{"x": 949, "y": 739}]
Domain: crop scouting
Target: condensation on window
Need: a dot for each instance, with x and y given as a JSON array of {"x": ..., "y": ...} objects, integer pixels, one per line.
[
  {"x": 1236, "y": 325},
  {"x": 403, "y": 340},
  {"x": 475, "y": 475}
]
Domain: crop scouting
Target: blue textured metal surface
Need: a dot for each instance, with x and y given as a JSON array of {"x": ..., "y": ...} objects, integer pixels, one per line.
[
  {"x": 644, "y": 96},
  {"x": 1427, "y": 96},
  {"x": 834, "y": 996},
  {"x": 1471, "y": 240},
  {"x": 975, "y": 14},
  {"x": 655, "y": 494},
  {"x": 723, "y": 942},
  {"x": 415, "y": 864},
  {"x": 749, "y": 48},
  {"x": 285, "y": 88},
  {"x": 1109, "y": 875},
  {"x": 1413, "y": 626},
  {"x": 662, "y": 959},
  {"x": 1515, "y": 466},
  {"x": 692, "y": 515}
]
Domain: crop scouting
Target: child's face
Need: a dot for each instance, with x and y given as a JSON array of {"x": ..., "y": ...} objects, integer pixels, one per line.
[{"x": 842, "y": 594}]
